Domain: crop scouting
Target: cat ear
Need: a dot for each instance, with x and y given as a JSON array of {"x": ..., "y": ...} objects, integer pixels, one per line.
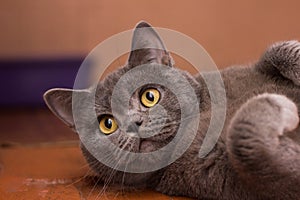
[
  {"x": 59, "y": 102},
  {"x": 147, "y": 47}
]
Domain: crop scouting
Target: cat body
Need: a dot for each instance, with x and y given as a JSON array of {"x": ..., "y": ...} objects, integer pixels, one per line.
[
  {"x": 257, "y": 155},
  {"x": 216, "y": 177}
]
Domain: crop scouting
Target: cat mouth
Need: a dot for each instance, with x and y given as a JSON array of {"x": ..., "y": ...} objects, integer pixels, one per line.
[{"x": 146, "y": 145}]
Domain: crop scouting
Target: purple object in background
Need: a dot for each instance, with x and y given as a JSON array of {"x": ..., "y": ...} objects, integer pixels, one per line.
[{"x": 23, "y": 82}]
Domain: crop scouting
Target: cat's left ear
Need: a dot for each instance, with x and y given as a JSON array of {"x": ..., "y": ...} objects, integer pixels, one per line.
[
  {"x": 59, "y": 101},
  {"x": 147, "y": 47}
]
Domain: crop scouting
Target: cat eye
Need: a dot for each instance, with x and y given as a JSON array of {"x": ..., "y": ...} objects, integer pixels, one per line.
[
  {"x": 150, "y": 97},
  {"x": 108, "y": 124}
]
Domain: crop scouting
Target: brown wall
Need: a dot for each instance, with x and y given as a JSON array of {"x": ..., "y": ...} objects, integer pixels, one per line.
[{"x": 231, "y": 31}]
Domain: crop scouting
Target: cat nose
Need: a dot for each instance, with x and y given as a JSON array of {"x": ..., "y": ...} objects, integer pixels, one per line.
[{"x": 134, "y": 126}]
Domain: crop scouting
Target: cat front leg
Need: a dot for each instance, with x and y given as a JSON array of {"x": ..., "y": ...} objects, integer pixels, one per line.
[
  {"x": 259, "y": 150},
  {"x": 282, "y": 60}
]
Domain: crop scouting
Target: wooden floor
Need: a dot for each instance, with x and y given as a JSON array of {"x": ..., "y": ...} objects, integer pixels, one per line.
[
  {"x": 40, "y": 159},
  {"x": 32, "y": 125}
]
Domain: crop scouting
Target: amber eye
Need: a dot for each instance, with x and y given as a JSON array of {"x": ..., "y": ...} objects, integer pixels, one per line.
[
  {"x": 150, "y": 97},
  {"x": 108, "y": 124}
]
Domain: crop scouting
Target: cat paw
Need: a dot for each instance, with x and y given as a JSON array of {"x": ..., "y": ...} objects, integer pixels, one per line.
[
  {"x": 257, "y": 125},
  {"x": 285, "y": 56},
  {"x": 288, "y": 111},
  {"x": 276, "y": 109}
]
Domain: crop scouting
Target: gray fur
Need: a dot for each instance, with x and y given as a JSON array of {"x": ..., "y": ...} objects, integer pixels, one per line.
[{"x": 258, "y": 153}]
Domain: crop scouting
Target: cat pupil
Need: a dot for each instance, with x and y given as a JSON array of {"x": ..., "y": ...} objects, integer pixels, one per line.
[
  {"x": 108, "y": 123},
  {"x": 150, "y": 96}
]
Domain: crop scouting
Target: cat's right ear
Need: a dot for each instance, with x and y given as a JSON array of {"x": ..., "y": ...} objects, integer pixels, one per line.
[
  {"x": 59, "y": 102},
  {"x": 148, "y": 47}
]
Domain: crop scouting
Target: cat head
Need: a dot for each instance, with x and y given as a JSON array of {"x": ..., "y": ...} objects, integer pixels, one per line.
[{"x": 150, "y": 119}]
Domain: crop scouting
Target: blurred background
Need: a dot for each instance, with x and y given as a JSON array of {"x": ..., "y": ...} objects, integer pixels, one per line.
[{"x": 44, "y": 42}]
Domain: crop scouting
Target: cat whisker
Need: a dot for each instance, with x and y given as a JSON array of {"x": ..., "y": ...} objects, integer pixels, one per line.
[
  {"x": 123, "y": 177},
  {"x": 113, "y": 169},
  {"x": 100, "y": 175},
  {"x": 95, "y": 184},
  {"x": 108, "y": 180},
  {"x": 92, "y": 164}
]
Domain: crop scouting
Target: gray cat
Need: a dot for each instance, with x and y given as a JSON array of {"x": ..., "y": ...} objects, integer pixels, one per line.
[{"x": 257, "y": 155}]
